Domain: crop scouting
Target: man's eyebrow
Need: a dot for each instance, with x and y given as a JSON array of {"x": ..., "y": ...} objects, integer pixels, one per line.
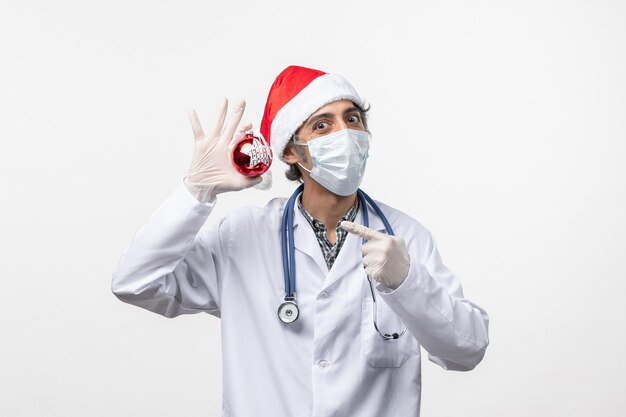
[
  {"x": 315, "y": 118},
  {"x": 352, "y": 110}
]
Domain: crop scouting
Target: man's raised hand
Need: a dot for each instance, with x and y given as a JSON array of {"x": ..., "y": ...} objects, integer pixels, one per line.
[{"x": 211, "y": 171}]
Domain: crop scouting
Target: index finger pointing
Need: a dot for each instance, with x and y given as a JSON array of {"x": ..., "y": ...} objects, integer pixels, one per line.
[{"x": 359, "y": 230}]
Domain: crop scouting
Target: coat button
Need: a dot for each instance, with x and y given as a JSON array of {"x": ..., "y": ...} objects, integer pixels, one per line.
[
  {"x": 324, "y": 295},
  {"x": 323, "y": 364}
]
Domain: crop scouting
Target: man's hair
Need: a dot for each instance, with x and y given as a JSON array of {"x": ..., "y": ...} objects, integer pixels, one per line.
[{"x": 293, "y": 173}]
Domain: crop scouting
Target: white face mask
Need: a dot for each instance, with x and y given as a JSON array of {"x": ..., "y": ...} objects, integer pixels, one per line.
[{"x": 339, "y": 160}]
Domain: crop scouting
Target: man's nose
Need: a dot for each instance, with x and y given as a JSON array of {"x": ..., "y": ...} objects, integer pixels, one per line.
[{"x": 339, "y": 124}]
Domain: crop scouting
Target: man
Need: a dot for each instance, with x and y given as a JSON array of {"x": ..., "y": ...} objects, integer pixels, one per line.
[{"x": 342, "y": 346}]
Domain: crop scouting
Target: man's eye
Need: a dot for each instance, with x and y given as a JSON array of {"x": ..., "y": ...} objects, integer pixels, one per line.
[
  {"x": 321, "y": 126},
  {"x": 354, "y": 119}
]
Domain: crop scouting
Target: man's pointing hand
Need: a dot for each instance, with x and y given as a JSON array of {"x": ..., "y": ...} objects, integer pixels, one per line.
[{"x": 385, "y": 257}]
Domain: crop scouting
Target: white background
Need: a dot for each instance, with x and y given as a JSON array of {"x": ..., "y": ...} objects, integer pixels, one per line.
[{"x": 500, "y": 125}]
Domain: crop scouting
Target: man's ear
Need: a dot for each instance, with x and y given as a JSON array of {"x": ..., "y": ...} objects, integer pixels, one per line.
[{"x": 289, "y": 154}]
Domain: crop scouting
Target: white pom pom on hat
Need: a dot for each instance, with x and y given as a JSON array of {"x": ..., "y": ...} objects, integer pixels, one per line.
[{"x": 296, "y": 94}]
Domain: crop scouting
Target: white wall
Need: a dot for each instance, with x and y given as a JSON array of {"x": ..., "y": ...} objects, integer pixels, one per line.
[{"x": 504, "y": 121}]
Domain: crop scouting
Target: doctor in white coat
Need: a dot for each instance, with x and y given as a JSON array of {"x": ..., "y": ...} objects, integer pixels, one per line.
[{"x": 353, "y": 348}]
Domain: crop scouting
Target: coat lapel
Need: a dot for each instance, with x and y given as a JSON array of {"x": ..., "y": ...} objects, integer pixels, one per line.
[{"x": 306, "y": 241}]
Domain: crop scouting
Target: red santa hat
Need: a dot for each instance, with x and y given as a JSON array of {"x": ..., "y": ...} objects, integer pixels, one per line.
[{"x": 296, "y": 94}]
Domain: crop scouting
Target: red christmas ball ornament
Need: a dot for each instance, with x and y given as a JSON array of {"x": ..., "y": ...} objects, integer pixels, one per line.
[{"x": 251, "y": 155}]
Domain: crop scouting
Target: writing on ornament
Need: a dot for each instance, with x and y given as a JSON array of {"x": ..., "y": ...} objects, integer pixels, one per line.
[{"x": 259, "y": 153}]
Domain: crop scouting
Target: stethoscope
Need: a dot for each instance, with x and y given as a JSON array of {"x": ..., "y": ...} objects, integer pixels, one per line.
[{"x": 288, "y": 311}]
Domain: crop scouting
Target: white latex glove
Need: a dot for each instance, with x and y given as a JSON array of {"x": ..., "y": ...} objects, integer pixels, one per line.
[
  {"x": 211, "y": 171},
  {"x": 385, "y": 257}
]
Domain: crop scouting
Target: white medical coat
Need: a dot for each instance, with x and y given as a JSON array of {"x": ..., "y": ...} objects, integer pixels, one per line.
[{"x": 330, "y": 361}]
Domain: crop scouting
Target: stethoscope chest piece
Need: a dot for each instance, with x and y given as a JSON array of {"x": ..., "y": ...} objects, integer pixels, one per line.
[{"x": 288, "y": 312}]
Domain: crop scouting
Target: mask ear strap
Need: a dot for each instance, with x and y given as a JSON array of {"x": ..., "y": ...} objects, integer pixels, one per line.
[
  {"x": 302, "y": 166},
  {"x": 294, "y": 140}
]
